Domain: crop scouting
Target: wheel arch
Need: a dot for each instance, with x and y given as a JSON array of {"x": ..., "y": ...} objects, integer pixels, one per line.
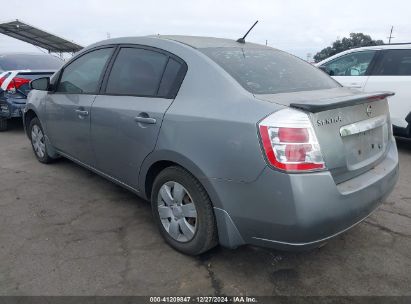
[
  {"x": 228, "y": 233},
  {"x": 29, "y": 114},
  {"x": 159, "y": 160},
  {"x": 27, "y": 117}
]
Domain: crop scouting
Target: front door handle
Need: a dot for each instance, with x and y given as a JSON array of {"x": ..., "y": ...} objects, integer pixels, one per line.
[
  {"x": 81, "y": 112},
  {"x": 145, "y": 120}
]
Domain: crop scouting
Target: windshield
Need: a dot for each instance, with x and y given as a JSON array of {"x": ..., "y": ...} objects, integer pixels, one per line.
[
  {"x": 269, "y": 71},
  {"x": 29, "y": 62}
]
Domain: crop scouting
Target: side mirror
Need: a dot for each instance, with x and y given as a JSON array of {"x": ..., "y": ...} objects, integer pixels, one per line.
[{"x": 42, "y": 84}]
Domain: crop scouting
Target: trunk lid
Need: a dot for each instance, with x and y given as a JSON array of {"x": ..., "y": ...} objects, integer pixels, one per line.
[{"x": 353, "y": 128}]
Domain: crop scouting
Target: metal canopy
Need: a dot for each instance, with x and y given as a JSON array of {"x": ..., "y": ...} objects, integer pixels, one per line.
[{"x": 28, "y": 33}]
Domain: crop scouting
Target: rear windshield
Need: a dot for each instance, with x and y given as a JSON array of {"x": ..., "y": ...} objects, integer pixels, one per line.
[
  {"x": 29, "y": 62},
  {"x": 269, "y": 71}
]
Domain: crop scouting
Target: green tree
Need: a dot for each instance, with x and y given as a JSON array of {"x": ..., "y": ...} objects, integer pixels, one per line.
[{"x": 354, "y": 41}]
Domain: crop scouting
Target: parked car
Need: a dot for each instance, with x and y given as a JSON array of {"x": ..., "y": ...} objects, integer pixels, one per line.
[
  {"x": 233, "y": 143},
  {"x": 16, "y": 71},
  {"x": 385, "y": 67}
]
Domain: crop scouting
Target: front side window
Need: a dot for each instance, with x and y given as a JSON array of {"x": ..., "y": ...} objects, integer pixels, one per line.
[
  {"x": 269, "y": 71},
  {"x": 394, "y": 63},
  {"x": 82, "y": 76},
  {"x": 354, "y": 64},
  {"x": 136, "y": 72}
]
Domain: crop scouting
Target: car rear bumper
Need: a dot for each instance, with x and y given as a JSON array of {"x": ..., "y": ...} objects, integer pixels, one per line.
[
  {"x": 300, "y": 211},
  {"x": 10, "y": 109}
]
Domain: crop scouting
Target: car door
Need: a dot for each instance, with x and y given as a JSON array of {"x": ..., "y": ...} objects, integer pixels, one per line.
[
  {"x": 392, "y": 72},
  {"x": 351, "y": 69},
  {"x": 68, "y": 107},
  {"x": 126, "y": 117}
]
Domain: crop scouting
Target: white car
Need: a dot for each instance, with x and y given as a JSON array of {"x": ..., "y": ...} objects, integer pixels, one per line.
[{"x": 378, "y": 68}]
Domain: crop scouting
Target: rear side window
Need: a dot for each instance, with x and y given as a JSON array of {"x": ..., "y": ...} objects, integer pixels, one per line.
[
  {"x": 136, "y": 72},
  {"x": 269, "y": 71},
  {"x": 394, "y": 63},
  {"x": 82, "y": 76},
  {"x": 171, "y": 80}
]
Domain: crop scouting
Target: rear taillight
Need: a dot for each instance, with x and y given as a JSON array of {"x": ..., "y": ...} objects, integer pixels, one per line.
[
  {"x": 2, "y": 80},
  {"x": 16, "y": 83},
  {"x": 289, "y": 141}
]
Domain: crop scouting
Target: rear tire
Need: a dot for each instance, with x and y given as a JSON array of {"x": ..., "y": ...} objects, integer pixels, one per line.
[
  {"x": 38, "y": 141},
  {"x": 187, "y": 220},
  {"x": 3, "y": 124}
]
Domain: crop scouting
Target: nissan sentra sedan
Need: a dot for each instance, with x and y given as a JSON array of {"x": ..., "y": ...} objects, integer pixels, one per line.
[{"x": 233, "y": 143}]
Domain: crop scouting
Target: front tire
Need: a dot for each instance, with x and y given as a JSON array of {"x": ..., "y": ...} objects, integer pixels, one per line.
[
  {"x": 38, "y": 141},
  {"x": 183, "y": 211}
]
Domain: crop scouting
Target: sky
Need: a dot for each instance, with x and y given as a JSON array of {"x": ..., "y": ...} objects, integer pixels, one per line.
[{"x": 298, "y": 27}]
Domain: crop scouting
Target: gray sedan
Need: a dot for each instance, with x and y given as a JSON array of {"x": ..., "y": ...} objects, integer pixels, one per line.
[{"x": 233, "y": 143}]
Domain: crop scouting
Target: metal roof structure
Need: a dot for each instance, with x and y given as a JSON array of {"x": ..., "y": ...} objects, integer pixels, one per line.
[{"x": 35, "y": 36}]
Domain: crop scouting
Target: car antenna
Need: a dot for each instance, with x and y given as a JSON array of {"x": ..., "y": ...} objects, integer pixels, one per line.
[{"x": 242, "y": 40}]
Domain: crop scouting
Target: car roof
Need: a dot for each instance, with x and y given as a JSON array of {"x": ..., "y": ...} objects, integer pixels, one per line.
[
  {"x": 394, "y": 46},
  {"x": 199, "y": 42},
  {"x": 196, "y": 42}
]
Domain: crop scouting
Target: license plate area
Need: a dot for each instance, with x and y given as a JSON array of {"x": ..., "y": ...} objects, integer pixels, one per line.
[{"x": 364, "y": 147}]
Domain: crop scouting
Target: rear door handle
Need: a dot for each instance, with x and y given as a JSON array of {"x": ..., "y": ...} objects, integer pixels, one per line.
[
  {"x": 81, "y": 112},
  {"x": 145, "y": 120}
]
